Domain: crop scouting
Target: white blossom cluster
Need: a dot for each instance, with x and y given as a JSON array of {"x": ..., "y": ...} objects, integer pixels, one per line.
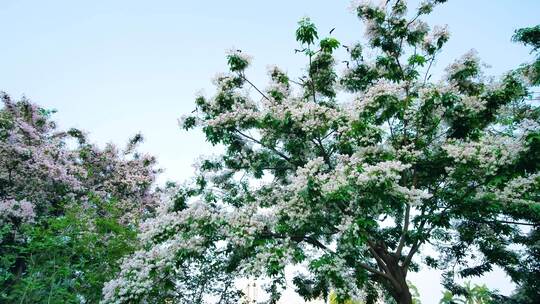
[
  {"x": 309, "y": 116},
  {"x": 473, "y": 104},
  {"x": 381, "y": 172},
  {"x": 170, "y": 232},
  {"x": 238, "y": 53},
  {"x": 363, "y": 4},
  {"x": 169, "y": 223},
  {"x": 527, "y": 126},
  {"x": 382, "y": 87},
  {"x": 22, "y": 210},
  {"x": 245, "y": 222},
  {"x": 471, "y": 57},
  {"x": 438, "y": 33},
  {"x": 349, "y": 171},
  {"x": 303, "y": 174},
  {"x": 407, "y": 152},
  {"x": 441, "y": 32},
  {"x": 339, "y": 268},
  {"x": 518, "y": 188},
  {"x": 371, "y": 31},
  {"x": 419, "y": 26},
  {"x": 350, "y": 168},
  {"x": 165, "y": 235},
  {"x": 530, "y": 73},
  {"x": 489, "y": 153},
  {"x": 241, "y": 112},
  {"x": 268, "y": 254},
  {"x": 276, "y": 85},
  {"x": 413, "y": 196},
  {"x": 222, "y": 81},
  {"x": 139, "y": 270}
]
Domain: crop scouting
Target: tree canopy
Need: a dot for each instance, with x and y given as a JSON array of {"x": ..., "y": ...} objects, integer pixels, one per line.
[
  {"x": 350, "y": 174},
  {"x": 68, "y": 208},
  {"x": 354, "y": 178}
]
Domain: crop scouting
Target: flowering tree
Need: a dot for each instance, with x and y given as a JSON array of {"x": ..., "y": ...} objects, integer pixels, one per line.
[
  {"x": 530, "y": 36},
  {"x": 528, "y": 277},
  {"x": 349, "y": 188},
  {"x": 39, "y": 171},
  {"x": 61, "y": 197}
]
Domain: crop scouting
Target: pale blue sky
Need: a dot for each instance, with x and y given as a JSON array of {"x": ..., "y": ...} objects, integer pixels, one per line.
[{"x": 115, "y": 68}]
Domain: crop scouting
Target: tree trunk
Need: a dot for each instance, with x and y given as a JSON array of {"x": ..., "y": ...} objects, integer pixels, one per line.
[
  {"x": 400, "y": 293},
  {"x": 404, "y": 297},
  {"x": 396, "y": 285}
]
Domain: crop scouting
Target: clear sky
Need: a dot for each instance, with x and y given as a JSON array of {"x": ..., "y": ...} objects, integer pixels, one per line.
[{"x": 115, "y": 68}]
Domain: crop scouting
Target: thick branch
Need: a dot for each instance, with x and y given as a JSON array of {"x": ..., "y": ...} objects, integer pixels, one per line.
[
  {"x": 377, "y": 272},
  {"x": 404, "y": 232},
  {"x": 383, "y": 264},
  {"x": 410, "y": 255},
  {"x": 379, "y": 260},
  {"x": 415, "y": 247}
]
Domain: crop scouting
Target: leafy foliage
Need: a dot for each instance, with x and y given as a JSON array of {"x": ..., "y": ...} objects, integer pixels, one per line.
[
  {"x": 68, "y": 258},
  {"x": 530, "y": 36},
  {"x": 477, "y": 294},
  {"x": 68, "y": 209},
  {"x": 351, "y": 191}
]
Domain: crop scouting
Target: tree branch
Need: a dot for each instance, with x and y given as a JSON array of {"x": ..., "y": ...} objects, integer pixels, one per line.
[
  {"x": 255, "y": 87},
  {"x": 379, "y": 260},
  {"x": 405, "y": 230},
  {"x": 375, "y": 271},
  {"x": 427, "y": 71},
  {"x": 265, "y": 146},
  {"x": 325, "y": 155},
  {"x": 311, "y": 78},
  {"x": 510, "y": 222}
]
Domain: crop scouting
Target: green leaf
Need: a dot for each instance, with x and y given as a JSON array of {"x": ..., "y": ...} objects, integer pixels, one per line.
[
  {"x": 328, "y": 45},
  {"x": 417, "y": 59},
  {"x": 306, "y": 32}
]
